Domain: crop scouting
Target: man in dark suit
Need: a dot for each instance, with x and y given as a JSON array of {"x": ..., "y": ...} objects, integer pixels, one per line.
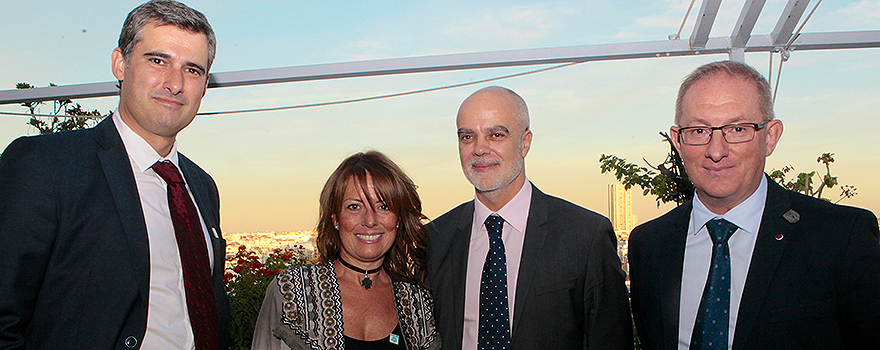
[
  {"x": 97, "y": 252},
  {"x": 551, "y": 279},
  {"x": 787, "y": 271}
]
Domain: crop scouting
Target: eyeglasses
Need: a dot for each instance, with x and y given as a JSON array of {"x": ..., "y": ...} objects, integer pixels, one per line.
[{"x": 732, "y": 133}]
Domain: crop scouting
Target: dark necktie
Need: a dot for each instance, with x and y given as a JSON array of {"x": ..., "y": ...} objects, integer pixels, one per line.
[
  {"x": 713, "y": 316},
  {"x": 194, "y": 257},
  {"x": 494, "y": 315}
]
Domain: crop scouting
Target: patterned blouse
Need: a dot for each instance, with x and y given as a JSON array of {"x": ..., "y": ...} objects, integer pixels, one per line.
[{"x": 303, "y": 310}]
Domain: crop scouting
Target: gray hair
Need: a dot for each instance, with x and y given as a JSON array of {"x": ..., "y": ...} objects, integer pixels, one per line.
[
  {"x": 160, "y": 13},
  {"x": 733, "y": 69}
]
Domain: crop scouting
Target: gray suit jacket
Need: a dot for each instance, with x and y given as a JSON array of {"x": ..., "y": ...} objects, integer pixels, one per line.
[
  {"x": 76, "y": 263},
  {"x": 570, "y": 293},
  {"x": 813, "y": 282}
]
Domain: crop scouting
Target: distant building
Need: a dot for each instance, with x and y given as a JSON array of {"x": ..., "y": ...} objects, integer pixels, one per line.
[{"x": 620, "y": 211}]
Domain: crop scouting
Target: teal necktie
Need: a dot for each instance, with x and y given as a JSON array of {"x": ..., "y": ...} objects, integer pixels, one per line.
[{"x": 713, "y": 316}]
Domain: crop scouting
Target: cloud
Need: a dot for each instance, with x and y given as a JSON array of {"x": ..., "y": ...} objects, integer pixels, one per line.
[
  {"x": 662, "y": 14},
  {"x": 523, "y": 24},
  {"x": 661, "y": 22},
  {"x": 862, "y": 9}
]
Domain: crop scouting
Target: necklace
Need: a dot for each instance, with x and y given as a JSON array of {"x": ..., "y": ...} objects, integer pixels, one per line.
[{"x": 367, "y": 283}]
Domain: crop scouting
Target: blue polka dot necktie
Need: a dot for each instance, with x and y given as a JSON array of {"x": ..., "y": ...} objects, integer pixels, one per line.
[
  {"x": 494, "y": 331},
  {"x": 713, "y": 316}
]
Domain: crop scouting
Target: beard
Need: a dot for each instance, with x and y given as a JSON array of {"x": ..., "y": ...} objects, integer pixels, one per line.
[{"x": 495, "y": 179}]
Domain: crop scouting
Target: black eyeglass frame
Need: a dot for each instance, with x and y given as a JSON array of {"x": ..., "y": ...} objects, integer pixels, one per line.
[{"x": 757, "y": 126}]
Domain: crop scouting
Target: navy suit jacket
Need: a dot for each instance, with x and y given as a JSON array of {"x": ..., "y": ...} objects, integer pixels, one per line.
[
  {"x": 813, "y": 281},
  {"x": 570, "y": 293},
  {"x": 73, "y": 240}
]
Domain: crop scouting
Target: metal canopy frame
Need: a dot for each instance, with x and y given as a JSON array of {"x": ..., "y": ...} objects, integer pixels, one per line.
[
  {"x": 704, "y": 23},
  {"x": 790, "y": 17},
  {"x": 742, "y": 31},
  {"x": 736, "y": 45}
]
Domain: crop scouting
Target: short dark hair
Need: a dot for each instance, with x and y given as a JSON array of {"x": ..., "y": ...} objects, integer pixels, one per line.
[
  {"x": 733, "y": 69},
  {"x": 407, "y": 258},
  {"x": 160, "y": 13}
]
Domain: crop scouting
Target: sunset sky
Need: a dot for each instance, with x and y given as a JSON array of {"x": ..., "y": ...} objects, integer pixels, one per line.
[{"x": 270, "y": 166}]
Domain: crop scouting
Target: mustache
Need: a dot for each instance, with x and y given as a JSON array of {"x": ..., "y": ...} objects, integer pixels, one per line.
[{"x": 483, "y": 161}]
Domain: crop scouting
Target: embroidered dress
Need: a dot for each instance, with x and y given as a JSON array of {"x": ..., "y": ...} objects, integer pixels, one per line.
[{"x": 303, "y": 310}]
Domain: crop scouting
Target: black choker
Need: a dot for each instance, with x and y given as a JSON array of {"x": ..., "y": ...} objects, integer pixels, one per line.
[{"x": 367, "y": 283}]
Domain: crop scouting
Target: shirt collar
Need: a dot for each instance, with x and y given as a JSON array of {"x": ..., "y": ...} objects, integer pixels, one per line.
[
  {"x": 746, "y": 215},
  {"x": 515, "y": 212},
  {"x": 139, "y": 151}
]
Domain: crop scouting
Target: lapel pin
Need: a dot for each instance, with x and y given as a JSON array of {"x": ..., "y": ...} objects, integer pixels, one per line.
[
  {"x": 791, "y": 216},
  {"x": 779, "y": 237},
  {"x": 214, "y": 230}
]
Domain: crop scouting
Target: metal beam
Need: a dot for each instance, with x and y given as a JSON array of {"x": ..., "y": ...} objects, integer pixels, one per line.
[
  {"x": 737, "y": 54},
  {"x": 708, "y": 11},
  {"x": 790, "y": 17},
  {"x": 585, "y": 53},
  {"x": 384, "y": 67},
  {"x": 746, "y": 22}
]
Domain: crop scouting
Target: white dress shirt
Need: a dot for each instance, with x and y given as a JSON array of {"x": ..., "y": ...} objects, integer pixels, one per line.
[
  {"x": 698, "y": 257},
  {"x": 516, "y": 215},
  {"x": 168, "y": 325}
]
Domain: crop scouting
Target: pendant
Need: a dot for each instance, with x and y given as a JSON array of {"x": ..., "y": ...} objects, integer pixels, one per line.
[{"x": 367, "y": 282}]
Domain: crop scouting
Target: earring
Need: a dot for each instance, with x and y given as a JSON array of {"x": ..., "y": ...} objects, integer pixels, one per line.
[{"x": 336, "y": 227}]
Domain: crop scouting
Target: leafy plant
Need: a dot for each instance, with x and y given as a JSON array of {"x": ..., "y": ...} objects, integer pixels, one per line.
[
  {"x": 246, "y": 282},
  {"x": 66, "y": 115},
  {"x": 803, "y": 182},
  {"x": 668, "y": 181}
]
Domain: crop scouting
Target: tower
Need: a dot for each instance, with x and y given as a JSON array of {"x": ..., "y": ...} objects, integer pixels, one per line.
[{"x": 620, "y": 210}]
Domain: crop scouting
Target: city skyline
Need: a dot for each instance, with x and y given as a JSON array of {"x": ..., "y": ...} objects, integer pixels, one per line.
[{"x": 271, "y": 166}]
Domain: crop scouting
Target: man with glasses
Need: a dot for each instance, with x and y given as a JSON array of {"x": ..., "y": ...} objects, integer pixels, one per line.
[{"x": 748, "y": 264}]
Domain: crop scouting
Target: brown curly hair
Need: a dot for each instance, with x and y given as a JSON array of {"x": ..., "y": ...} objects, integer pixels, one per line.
[{"x": 407, "y": 258}]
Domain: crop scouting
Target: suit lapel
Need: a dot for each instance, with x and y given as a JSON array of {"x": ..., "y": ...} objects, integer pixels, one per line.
[
  {"x": 768, "y": 251},
  {"x": 120, "y": 179},
  {"x": 460, "y": 242},
  {"x": 200, "y": 193},
  {"x": 533, "y": 245},
  {"x": 670, "y": 288}
]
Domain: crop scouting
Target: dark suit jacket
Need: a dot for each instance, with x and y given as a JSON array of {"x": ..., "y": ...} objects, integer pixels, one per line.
[
  {"x": 813, "y": 282},
  {"x": 73, "y": 241},
  {"x": 570, "y": 293}
]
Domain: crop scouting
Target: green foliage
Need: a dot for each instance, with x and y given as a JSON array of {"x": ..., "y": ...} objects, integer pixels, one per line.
[
  {"x": 803, "y": 181},
  {"x": 669, "y": 183},
  {"x": 246, "y": 282},
  {"x": 74, "y": 116}
]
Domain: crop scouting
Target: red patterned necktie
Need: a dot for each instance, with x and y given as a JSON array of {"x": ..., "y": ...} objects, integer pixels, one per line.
[{"x": 194, "y": 257}]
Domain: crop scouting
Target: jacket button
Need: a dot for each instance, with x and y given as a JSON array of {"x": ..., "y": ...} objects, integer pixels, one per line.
[{"x": 131, "y": 342}]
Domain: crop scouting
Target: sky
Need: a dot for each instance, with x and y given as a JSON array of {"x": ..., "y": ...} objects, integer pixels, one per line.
[{"x": 270, "y": 166}]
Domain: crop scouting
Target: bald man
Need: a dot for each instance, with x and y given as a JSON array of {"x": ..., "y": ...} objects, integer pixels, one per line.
[{"x": 516, "y": 268}]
